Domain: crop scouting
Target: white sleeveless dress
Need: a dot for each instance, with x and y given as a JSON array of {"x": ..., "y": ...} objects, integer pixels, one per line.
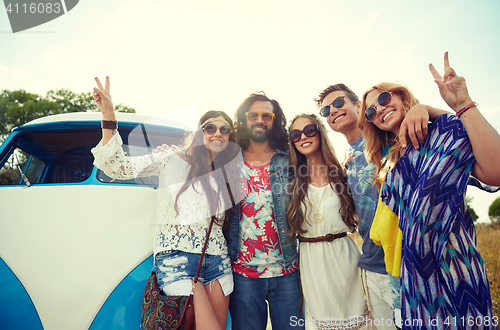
[{"x": 329, "y": 270}]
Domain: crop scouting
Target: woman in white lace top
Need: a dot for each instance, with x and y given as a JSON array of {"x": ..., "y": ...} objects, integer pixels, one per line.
[{"x": 195, "y": 184}]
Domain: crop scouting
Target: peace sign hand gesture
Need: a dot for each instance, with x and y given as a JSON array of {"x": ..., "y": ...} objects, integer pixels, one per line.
[
  {"x": 453, "y": 88},
  {"x": 103, "y": 99}
]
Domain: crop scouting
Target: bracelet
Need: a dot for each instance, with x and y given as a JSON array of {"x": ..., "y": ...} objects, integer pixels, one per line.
[
  {"x": 109, "y": 124},
  {"x": 463, "y": 110}
]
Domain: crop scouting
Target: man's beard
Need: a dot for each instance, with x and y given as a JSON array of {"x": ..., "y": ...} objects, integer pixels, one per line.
[{"x": 259, "y": 137}]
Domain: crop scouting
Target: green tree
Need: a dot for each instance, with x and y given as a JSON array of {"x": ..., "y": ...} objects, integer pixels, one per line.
[
  {"x": 468, "y": 202},
  {"x": 19, "y": 107},
  {"x": 494, "y": 210}
]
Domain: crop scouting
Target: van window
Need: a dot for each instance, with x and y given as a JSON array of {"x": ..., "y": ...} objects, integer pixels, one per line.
[
  {"x": 140, "y": 142},
  {"x": 131, "y": 151},
  {"x": 48, "y": 157},
  {"x": 21, "y": 161}
]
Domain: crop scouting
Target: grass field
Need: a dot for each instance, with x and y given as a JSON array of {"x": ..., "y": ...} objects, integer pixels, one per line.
[{"x": 488, "y": 243}]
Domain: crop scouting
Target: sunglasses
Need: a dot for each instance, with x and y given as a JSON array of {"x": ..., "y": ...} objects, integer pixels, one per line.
[
  {"x": 212, "y": 128},
  {"x": 337, "y": 103},
  {"x": 266, "y": 116},
  {"x": 308, "y": 130},
  {"x": 383, "y": 99}
]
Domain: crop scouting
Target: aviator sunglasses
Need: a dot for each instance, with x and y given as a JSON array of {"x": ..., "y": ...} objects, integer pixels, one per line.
[
  {"x": 308, "y": 130},
  {"x": 266, "y": 116},
  {"x": 337, "y": 103},
  {"x": 383, "y": 99},
  {"x": 212, "y": 128}
]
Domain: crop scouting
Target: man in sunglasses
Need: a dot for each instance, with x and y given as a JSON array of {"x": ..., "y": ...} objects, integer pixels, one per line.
[
  {"x": 340, "y": 106},
  {"x": 264, "y": 257}
]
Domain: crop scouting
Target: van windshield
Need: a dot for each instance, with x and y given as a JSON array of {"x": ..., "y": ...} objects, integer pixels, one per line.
[{"x": 54, "y": 157}]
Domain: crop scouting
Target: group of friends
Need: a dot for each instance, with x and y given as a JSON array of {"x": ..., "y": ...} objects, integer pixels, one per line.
[{"x": 276, "y": 193}]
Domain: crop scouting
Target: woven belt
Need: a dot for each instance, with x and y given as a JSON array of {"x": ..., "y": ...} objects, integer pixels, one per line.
[{"x": 326, "y": 238}]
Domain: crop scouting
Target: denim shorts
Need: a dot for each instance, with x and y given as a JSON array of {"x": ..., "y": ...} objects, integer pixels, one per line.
[{"x": 176, "y": 269}]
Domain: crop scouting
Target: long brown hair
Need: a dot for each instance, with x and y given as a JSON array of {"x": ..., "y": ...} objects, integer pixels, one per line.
[
  {"x": 336, "y": 176},
  {"x": 376, "y": 139},
  {"x": 198, "y": 156}
]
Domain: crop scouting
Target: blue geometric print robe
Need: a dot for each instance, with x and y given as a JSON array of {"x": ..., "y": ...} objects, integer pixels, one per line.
[{"x": 443, "y": 276}]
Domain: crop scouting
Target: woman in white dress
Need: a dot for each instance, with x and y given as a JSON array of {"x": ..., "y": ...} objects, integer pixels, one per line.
[
  {"x": 193, "y": 188},
  {"x": 321, "y": 212}
]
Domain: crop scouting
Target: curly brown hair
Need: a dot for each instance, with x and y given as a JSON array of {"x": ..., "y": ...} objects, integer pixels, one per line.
[{"x": 279, "y": 136}]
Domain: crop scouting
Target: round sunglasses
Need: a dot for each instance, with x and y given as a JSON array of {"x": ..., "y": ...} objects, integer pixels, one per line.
[
  {"x": 337, "y": 103},
  {"x": 308, "y": 130},
  {"x": 266, "y": 116},
  {"x": 383, "y": 99},
  {"x": 212, "y": 128}
]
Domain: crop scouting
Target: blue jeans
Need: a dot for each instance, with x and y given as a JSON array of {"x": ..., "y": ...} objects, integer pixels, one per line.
[{"x": 248, "y": 307}]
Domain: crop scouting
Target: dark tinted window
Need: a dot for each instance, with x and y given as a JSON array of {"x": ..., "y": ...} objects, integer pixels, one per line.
[
  {"x": 19, "y": 162},
  {"x": 132, "y": 151},
  {"x": 65, "y": 157}
]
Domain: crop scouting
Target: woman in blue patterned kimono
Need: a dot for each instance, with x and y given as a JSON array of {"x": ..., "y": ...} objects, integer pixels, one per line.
[{"x": 443, "y": 277}]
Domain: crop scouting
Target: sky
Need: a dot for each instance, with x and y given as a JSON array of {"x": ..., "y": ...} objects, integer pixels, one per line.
[{"x": 178, "y": 59}]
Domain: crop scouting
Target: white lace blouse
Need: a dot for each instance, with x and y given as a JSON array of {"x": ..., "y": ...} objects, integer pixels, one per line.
[{"x": 186, "y": 231}]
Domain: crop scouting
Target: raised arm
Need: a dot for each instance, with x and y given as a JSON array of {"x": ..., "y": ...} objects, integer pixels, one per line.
[
  {"x": 109, "y": 155},
  {"x": 484, "y": 139},
  {"x": 103, "y": 99}
]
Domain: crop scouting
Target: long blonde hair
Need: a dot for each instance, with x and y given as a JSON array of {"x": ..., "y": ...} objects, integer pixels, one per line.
[
  {"x": 336, "y": 176},
  {"x": 376, "y": 139}
]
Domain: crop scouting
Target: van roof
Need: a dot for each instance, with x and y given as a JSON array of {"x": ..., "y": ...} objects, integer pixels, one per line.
[{"x": 97, "y": 116}]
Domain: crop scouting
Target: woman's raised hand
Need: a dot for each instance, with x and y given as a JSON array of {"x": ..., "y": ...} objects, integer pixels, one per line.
[
  {"x": 453, "y": 88},
  {"x": 103, "y": 99}
]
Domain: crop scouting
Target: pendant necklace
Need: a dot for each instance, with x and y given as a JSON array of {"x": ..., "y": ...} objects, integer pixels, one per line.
[{"x": 318, "y": 217}]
